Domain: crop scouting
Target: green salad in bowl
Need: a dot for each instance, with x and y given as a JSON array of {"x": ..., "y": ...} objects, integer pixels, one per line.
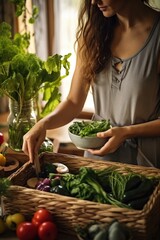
[{"x": 83, "y": 134}]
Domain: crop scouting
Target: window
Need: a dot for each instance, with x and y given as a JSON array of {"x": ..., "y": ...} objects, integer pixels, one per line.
[{"x": 66, "y": 18}]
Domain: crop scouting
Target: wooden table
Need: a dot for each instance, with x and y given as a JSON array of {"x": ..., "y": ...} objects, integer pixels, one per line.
[{"x": 12, "y": 236}]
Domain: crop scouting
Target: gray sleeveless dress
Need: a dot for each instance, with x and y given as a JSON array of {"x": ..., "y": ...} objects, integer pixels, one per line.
[{"x": 132, "y": 96}]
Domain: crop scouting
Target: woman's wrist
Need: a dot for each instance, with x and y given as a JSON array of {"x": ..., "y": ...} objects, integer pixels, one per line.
[
  {"x": 43, "y": 123},
  {"x": 147, "y": 129},
  {"x": 129, "y": 131}
]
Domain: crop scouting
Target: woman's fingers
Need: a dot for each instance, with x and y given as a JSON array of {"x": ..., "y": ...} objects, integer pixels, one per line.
[{"x": 115, "y": 138}]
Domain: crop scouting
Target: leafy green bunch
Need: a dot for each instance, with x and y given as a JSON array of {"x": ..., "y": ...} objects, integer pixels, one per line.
[
  {"x": 89, "y": 128},
  {"x": 24, "y": 75}
]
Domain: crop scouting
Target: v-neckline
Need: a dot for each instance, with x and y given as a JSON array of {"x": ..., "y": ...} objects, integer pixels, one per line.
[{"x": 145, "y": 44}]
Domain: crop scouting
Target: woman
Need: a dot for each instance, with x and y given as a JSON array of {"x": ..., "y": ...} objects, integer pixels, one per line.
[{"x": 119, "y": 57}]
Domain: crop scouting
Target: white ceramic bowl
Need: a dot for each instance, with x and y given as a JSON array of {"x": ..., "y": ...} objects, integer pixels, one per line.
[{"x": 87, "y": 142}]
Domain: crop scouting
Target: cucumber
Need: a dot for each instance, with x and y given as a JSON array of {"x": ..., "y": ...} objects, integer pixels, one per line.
[
  {"x": 144, "y": 189},
  {"x": 138, "y": 204},
  {"x": 133, "y": 182}
]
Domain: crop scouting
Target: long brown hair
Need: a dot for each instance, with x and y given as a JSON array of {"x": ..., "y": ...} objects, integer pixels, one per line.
[{"x": 96, "y": 32}]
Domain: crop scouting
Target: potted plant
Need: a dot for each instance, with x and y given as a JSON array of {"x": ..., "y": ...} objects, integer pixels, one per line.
[{"x": 23, "y": 76}]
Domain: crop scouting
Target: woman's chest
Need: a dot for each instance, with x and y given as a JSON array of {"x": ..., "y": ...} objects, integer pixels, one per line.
[{"x": 126, "y": 44}]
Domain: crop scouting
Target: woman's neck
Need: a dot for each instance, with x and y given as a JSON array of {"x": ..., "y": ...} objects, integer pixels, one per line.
[{"x": 134, "y": 13}]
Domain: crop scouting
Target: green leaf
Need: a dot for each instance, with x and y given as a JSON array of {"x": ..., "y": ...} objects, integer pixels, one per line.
[{"x": 52, "y": 102}]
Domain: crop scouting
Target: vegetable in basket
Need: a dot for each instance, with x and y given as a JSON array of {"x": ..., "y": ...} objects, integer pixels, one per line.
[
  {"x": 138, "y": 196},
  {"x": 60, "y": 190},
  {"x": 85, "y": 185},
  {"x": 132, "y": 189},
  {"x": 107, "y": 186},
  {"x": 47, "y": 168}
]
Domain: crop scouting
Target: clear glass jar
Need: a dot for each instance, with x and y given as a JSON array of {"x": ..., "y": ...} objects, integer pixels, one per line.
[{"x": 20, "y": 120}]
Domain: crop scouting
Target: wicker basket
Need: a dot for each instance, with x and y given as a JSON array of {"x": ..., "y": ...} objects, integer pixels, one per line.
[{"x": 70, "y": 212}]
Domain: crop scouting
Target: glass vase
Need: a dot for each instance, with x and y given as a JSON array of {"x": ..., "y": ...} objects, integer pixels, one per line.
[{"x": 20, "y": 120}]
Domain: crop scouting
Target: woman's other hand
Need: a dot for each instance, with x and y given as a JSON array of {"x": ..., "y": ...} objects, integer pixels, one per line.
[{"x": 116, "y": 136}]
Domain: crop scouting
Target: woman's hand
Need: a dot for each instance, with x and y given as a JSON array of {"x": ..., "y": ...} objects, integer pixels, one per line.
[
  {"x": 116, "y": 136},
  {"x": 33, "y": 139}
]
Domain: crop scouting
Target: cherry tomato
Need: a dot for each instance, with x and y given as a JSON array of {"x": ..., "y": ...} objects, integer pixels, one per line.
[
  {"x": 36, "y": 223},
  {"x": 26, "y": 231},
  {"x": 1, "y": 138},
  {"x": 42, "y": 215},
  {"x": 48, "y": 231}
]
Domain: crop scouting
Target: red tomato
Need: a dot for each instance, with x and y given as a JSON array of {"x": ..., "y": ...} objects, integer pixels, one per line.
[
  {"x": 36, "y": 223},
  {"x": 1, "y": 138},
  {"x": 48, "y": 231},
  {"x": 42, "y": 215},
  {"x": 26, "y": 231}
]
